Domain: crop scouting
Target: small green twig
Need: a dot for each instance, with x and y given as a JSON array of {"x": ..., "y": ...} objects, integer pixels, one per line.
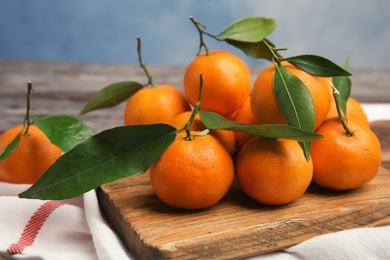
[
  {"x": 141, "y": 63},
  {"x": 187, "y": 127},
  {"x": 273, "y": 50},
  {"x": 201, "y": 29},
  {"x": 26, "y": 121},
  {"x": 343, "y": 118}
]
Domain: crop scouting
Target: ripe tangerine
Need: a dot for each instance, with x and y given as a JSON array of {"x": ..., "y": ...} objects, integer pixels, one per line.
[
  {"x": 226, "y": 82},
  {"x": 159, "y": 104},
  {"x": 273, "y": 171},
  {"x": 192, "y": 174},
  {"x": 34, "y": 154}
]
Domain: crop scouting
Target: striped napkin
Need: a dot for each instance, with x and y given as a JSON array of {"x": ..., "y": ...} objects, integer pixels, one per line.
[{"x": 69, "y": 229}]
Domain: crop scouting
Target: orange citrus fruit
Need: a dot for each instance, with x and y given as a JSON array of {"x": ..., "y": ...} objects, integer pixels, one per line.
[
  {"x": 264, "y": 106},
  {"x": 34, "y": 154},
  {"x": 192, "y": 174},
  {"x": 355, "y": 111},
  {"x": 159, "y": 104},
  {"x": 243, "y": 115},
  {"x": 226, "y": 82},
  {"x": 343, "y": 162},
  {"x": 273, "y": 171},
  {"x": 223, "y": 136}
]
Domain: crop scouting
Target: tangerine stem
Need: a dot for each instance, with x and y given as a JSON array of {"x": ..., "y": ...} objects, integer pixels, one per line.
[
  {"x": 272, "y": 50},
  {"x": 342, "y": 118},
  {"x": 195, "y": 111},
  {"x": 26, "y": 121},
  {"x": 141, "y": 63},
  {"x": 202, "y": 43}
]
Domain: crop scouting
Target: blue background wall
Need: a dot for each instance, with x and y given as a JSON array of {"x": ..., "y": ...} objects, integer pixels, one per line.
[{"x": 106, "y": 31}]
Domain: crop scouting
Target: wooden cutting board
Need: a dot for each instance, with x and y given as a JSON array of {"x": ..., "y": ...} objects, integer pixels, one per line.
[{"x": 238, "y": 227}]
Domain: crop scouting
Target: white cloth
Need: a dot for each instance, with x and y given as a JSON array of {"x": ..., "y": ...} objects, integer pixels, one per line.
[
  {"x": 353, "y": 244},
  {"x": 377, "y": 111},
  {"x": 70, "y": 229},
  {"x": 75, "y": 229}
]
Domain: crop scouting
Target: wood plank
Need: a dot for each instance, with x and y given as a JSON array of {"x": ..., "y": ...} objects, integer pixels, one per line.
[{"x": 238, "y": 227}]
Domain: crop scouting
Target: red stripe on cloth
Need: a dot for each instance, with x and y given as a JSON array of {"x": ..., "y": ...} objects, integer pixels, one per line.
[{"x": 33, "y": 226}]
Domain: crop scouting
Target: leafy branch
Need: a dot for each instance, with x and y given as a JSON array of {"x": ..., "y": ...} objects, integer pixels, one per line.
[
  {"x": 295, "y": 101},
  {"x": 248, "y": 34},
  {"x": 115, "y": 93}
]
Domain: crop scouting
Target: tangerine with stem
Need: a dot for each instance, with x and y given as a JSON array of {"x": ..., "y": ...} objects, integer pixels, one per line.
[
  {"x": 192, "y": 174},
  {"x": 154, "y": 104},
  {"x": 344, "y": 159},
  {"x": 195, "y": 172},
  {"x": 33, "y": 155}
]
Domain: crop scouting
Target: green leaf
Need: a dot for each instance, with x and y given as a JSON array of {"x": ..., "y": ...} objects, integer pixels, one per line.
[
  {"x": 108, "y": 156},
  {"x": 215, "y": 121},
  {"x": 256, "y": 50},
  {"x": 249, "y": 29},
  {"x": 64, "y": 131},
  {"x": 318, "y": 66},
  {"x": 343, "y": 85},
  {"x": 10, "y": 147},
  {"x": 111, "y": 95},
  {"x": 295, "y": 102},
  {"x": 294, "y": 99}
]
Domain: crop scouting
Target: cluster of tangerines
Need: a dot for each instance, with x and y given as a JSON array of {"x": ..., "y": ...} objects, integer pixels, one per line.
[{"x": 197, "y": 169}]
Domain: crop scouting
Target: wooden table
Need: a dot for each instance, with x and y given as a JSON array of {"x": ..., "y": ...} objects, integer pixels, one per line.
[{"x": 64, "y": 88}]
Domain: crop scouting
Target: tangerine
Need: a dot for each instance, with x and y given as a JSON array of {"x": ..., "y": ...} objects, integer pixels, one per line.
[
  {"x": 226, "y": 82},
  {"x": 273, "y": 171},
  {"x": 264, "y": 106},
  {"x": 33, "y": 155},
  {"x": 343, "y": 162},
  {"x": 159, "y": 104},
  {"x": 192, "y": 174}
]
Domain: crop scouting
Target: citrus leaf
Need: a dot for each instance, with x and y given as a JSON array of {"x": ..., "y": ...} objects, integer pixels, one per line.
[
  {"x": 108, "y": 156},
  {"x": 318, "y": 66},
  {"x": 343, "y": 85},
  {"x": 215, "y": 121},
  {"x": 256, "y": 50},
  {"x": 249, "y": 29},
  {"x": 111, "y": 95},
  {"x": 10, "y": 147},
  {"x": 294, "y": 99},
  {"x": 64, "y": 131},
  {"x": 295, "y": 102}
]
